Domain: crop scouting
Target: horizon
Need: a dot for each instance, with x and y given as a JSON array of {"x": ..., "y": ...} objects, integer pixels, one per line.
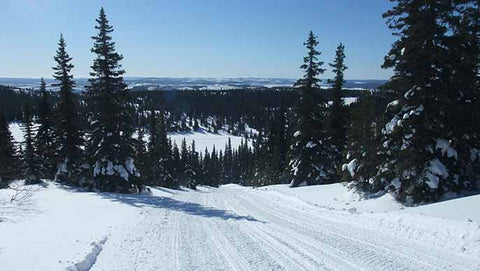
[
  {"x": 194, "y": 77},
  {"x": 189, "y": 39}
]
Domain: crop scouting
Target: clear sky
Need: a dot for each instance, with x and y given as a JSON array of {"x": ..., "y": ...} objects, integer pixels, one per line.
[{"x": 196, "y": 38}]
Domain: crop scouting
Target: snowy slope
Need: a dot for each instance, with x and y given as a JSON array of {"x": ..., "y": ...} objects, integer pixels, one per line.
[{"x": 232, "y": 228}]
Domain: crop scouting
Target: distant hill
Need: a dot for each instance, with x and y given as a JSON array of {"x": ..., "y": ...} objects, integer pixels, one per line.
[{"x": 169, "y": 83}]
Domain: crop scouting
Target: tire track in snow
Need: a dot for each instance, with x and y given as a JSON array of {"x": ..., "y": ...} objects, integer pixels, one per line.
[
  {"x": 378, "y": 251},
  {"x": 294, "y": 253}
]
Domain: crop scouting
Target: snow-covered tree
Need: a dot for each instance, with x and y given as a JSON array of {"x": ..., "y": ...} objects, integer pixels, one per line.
[
  {"x": 112, "y": 145},
  {"x": 425, "y": 154},
  {"x": 311, "y": 160}
]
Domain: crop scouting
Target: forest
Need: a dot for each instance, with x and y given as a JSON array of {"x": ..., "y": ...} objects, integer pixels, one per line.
[{"x": 415, "y": 137}]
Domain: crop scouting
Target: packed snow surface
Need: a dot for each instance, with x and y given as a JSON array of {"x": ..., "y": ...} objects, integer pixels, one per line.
[{"x": 324, "y": 227}]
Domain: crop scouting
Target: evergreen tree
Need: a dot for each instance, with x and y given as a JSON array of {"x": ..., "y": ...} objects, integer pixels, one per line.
[
  {"x": 425, "y": 154},
  {"x": 141, "y": 154},
  {"x": 69, "y": 142},
  {"x": 192, "y": 168},
  {"x": 364, "y": 135},
  {"x": 337, "y": 110},
  {"x": 227, "y": 173},
  {"x": 176, "y": 162},
  {"x": 45, "y": 137},
  {"x": 311, "y": 157},
  {"x": 31, "y": 167},
  {"x": 214, "y": 169},
  {"x": 112, "y": 145},
  {"x": 159, "y": 156},
  {"x": 8, "y": 160}
]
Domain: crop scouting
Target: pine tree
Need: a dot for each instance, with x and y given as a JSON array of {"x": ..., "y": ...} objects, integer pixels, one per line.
[
  {"x": 69, "y": 142},
  {"x": 425, "y": 154},
  {"x": 159, "y": 154},
  {"x": 364, "y": 135},
  {"x": 45, "y": 137},
  {"x": 141, "y": 154},
  {"x": 214, "y": 169},
  {"x": 31, "y": 167},
  {"x": 463, "y": 77},
  {"x": 311, "y": 157},
  {"x": 112, "y": 147},
  {"x": 192, "y": 168},
  {"x": 8, "y": 160},
  {"x": 337, "y": 109},
  {"x": 227, "y": 173}
]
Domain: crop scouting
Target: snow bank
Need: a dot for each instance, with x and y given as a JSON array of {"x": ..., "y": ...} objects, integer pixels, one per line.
[
  {"x": 452, "y": 224},
  {"x": 57, "y": 227},
  {"x": 337, "y": 197}
]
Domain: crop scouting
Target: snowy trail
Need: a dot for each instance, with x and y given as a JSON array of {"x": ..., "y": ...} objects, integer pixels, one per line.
[{"x": 238, "y": 228}]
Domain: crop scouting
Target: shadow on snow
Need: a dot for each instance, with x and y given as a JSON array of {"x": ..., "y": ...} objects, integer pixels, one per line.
[{"x": 176, "y": 205}]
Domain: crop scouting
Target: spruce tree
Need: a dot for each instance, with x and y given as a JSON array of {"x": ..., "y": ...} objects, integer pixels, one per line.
[
  {"x": 31, "y": 167},
  {"x": 192, "y": 168},
  {"x": 141, "y": 154},
  {"x": 159, "y": 154},
  {"x": 8, "y": 160},
  {"x": 425, "y": 151},
  {"x": 112, "y": 145},
  {"x": 45, "y": 137},
  {"x": 337, "y": 109},
  {"x": 311, "y": 154},
  {"x": 214, "y": 169},
  {"x": 69, "y": 141},
  {"x": 364, "y": 135}
]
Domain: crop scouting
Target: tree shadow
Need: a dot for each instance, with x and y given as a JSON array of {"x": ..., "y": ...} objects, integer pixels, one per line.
[{"x": 190, "y": 208}]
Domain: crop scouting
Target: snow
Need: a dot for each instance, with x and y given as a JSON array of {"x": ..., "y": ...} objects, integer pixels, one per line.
[
  {"x": 435, "y": 170},
  {"x": 351, "y": 166},
  {"x": 445, "y": 148},
  {"x": 310, "y": 144},
  {"x": 16, "y": 130},
  {"x": 324, "y": 227},
  {"x": 390, "y": 126},
  {"x": 347, "y": 100},
  {"x": 393, "y": 103}
]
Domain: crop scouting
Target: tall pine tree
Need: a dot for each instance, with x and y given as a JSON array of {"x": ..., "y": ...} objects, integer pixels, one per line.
[
  {"x": 337, "y": 109},
  {"x": 45, "y": 137},
  {"x": 311, "y": 160},
  {"x": 69, "y": 141},
  {"x": 112, "y": 145}
]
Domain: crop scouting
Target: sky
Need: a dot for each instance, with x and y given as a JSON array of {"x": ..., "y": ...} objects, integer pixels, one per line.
[{"x": 197, "y": 38}]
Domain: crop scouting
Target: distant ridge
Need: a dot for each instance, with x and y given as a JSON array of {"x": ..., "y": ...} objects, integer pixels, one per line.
[{"x": 184, "y": 83}]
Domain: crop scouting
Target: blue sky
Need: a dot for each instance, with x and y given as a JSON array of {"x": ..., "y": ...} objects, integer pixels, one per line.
[{"x": 196, "y": 38}]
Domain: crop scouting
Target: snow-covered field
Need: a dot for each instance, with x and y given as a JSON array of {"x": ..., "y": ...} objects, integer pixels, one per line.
[
  {"x": 202, "y": 138},
  {"x": 235, "y": 228},
  {"x": 207, "y": 140}
]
